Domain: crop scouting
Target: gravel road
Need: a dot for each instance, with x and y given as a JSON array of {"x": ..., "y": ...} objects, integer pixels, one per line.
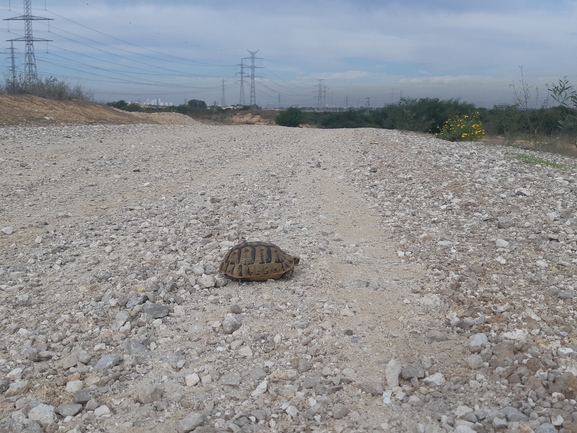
[{"x": 435, "y": 292}]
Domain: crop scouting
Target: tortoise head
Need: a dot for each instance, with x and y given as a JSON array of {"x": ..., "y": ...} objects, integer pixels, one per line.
[{"x": 296, "y": 260}]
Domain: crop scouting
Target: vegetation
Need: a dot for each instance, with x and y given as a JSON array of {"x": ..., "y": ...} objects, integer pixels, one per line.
[
  {"x": 196, "y": 104},
  {"x": 566, "y": 96},
  {"x": 291, "y": 117},
  {"x": 528, "y": 122},
  {"x": 49, "y": 88},
  {"x": 462, "y": 128},
  {"x": 540, "y": 161}
]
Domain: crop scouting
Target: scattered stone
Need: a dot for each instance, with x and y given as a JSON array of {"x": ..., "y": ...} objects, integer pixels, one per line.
[
  {"x": 546, "y": 428},
  {"x": 392, "y": 372},
  {"x": 260, "y": 389},
  {"x": 149, "y": 394},
  {"x": 109, "y": 313},
  {"x": 18, "y": 387},
  {"x": 415, "y": 370},
  {"x": 74, "y": 385},
  {"x": 231, "y": 323},
  {"x": 373, "y": 388},
  {"x": 83, "y": 396},
  {"x": 43, "y": 413},
  {"x": 136, "y": 348},
  {"x": 436, "y": 379},
  {"x": 190, "y": 422},
  {"x": 230, "y": 379},
  {"x": 102, "y": 411},
  {"x": 70, "y": 409},
  {"x": 340, "y": 411},
  {"x": 206, "y": 281},
  {"x": 106, "y": 362},
  {"x": 192, "y": 379},
  {"x": 155, "y": 311}
]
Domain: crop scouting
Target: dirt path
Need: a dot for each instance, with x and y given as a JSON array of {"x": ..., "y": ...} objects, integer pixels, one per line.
[{"x": 110, "y": 246}]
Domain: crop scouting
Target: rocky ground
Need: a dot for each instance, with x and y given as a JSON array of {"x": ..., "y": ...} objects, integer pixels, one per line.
[{"x": 435, "y": 293}]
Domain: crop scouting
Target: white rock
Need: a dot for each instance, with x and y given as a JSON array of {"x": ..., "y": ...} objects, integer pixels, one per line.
[
  {"x": 392, "y": 372},
  {"x": 198, "y": 270},
  {"x": 517, "y": 334},
  {"x": 387, "y": 395},
  {"x": 557, "y": 420},
  {"x": 192, "y": 379},
  {"x": 429, "y": 301},
  {"x": 207, "y": 379},
  {"x": 434, "y": 379},
  {"x": 74, "y": 385},
  {"x": 103, "y": 411},
  {"x": 17, "y": 388},
  {"x": 292, "y": 411},
  {"x": 207, "y": 281},
  {"x": 15, "y": 374},
  {"x": 347, "y": 312},
  {"x": 501, "y": 260},
  {"x": 8, "y": 230},
  {"x": 260, "y": 389},
  {"x": 479, "y": 339},
  {"x": 43, "y": 413},
  {"x": 502, "y": 243},
  {"x": 462, "y": 410},
  {"x": 245, "y": 352}
]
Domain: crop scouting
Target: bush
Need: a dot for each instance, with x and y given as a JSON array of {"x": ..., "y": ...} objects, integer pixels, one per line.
[
  {"x": 292, "y": 117},
  {"x": 462, "y": 128},
  {"x": 49, "y": 88},
  {"x": 196, "y": 104},
  {"x": 348, "y": 119},
  {"x": 422, "y": 115},
  {"x": 118, "y": 104}
]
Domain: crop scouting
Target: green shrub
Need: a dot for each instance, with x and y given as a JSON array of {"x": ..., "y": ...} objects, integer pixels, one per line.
[
  {"x": 196, "y": 104},
  {"x": 292, "y": 117},
  {"x": 118, "y": 104},
  {"x": 422, "y": 115},
  {"x": 462, "y": 128}
]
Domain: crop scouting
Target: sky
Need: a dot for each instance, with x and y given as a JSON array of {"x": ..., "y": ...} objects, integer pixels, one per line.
[{"x": 313, "y": 53}]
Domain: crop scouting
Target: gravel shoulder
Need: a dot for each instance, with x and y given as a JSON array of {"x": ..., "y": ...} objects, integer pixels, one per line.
[{"x": 435, "y": 290}]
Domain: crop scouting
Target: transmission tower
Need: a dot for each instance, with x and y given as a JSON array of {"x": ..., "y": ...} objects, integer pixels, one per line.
[
  {"x": 252, "y": 77},
  {"x": 12, "y": 69},
  {"x": 242, "y": 75},
  {"x": 222, "y": 100},
  {"x": 29, "y": 39},
  {"x": 320, "y": 94}
]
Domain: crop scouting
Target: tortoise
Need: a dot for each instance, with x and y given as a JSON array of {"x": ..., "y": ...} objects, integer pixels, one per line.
[{"x": 257, "y": 261}]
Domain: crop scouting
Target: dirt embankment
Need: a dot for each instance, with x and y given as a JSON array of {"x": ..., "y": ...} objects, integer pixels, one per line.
[{"x": 29, "y": 110}]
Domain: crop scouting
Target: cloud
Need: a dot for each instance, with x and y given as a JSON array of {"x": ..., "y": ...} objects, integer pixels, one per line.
[
  {"x": 447, "y": 80},
  {"x": 422, "y": 45}
]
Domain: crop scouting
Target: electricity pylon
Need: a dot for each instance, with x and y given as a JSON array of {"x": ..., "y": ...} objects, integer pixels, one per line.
[
  {"x": 242, "y": 75},
  {"x": 30, "y": 58},
  {"x": 252, "y": 77}
]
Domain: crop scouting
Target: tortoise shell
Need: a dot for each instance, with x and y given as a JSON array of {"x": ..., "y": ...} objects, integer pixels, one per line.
[{"x": 257, "y": 261}]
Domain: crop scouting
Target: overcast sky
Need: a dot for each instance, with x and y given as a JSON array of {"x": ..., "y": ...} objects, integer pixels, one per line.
[{"x": 364, "y": 51}]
